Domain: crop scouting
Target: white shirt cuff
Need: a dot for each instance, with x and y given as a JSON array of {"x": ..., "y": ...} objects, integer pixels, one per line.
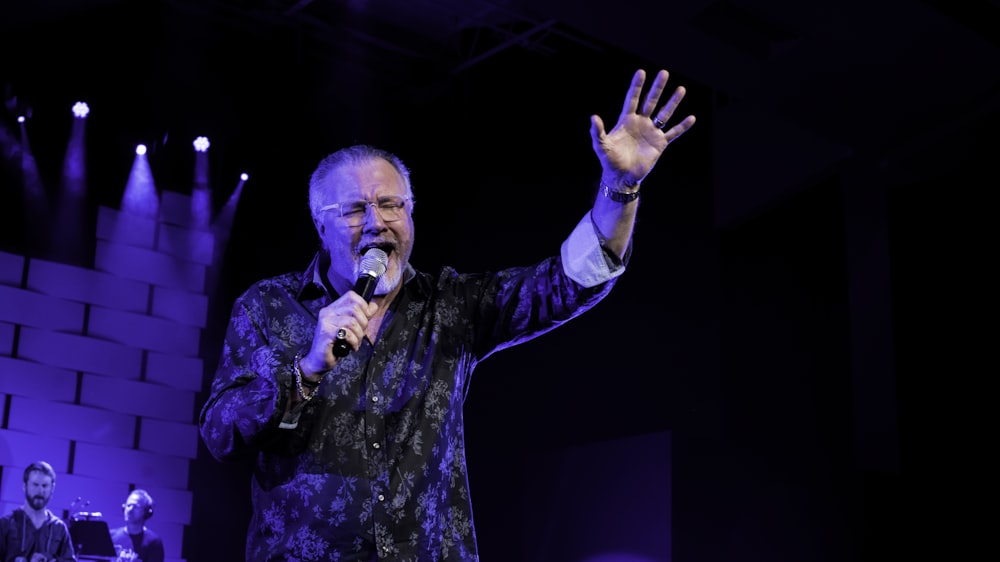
[{"x": 583, "y": 257}]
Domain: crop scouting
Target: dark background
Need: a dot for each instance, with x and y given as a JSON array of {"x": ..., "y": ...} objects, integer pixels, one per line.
[{"x": 805, "y": 307}]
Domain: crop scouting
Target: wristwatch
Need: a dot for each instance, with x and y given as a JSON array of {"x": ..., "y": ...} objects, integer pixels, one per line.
[{"x": 619, "y": 196}]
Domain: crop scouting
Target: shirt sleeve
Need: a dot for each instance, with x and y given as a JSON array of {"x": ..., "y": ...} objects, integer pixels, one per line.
[
  {"x": 585, "y": 259},
  {"x": 64, "y": 549},
  {"x": 251, "y": 387}
]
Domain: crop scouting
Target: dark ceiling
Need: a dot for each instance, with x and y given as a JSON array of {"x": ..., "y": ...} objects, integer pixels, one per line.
[
  {"x": 788, "y": 94},
  {"x": 797, "y": 89}
]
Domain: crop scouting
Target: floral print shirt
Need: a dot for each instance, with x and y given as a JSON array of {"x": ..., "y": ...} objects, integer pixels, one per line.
[{"x": 373, "y": 466}]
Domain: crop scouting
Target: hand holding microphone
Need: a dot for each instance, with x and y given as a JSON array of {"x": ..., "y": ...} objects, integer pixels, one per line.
[{"x": 373, "y": 266}]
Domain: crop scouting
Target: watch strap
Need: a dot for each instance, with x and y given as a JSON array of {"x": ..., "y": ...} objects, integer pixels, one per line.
[{"x": 619, "y": 196}]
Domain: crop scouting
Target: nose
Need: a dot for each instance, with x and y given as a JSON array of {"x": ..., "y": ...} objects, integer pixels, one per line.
[{"x": 373, "y": 216}]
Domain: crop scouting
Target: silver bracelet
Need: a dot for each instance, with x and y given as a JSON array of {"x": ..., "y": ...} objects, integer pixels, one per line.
[
  {"x": 617, "y": 195},
  {"x": 298, "y": 380}
]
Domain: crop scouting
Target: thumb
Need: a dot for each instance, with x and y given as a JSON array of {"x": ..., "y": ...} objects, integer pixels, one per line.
[{"x": 597, "y": 132}]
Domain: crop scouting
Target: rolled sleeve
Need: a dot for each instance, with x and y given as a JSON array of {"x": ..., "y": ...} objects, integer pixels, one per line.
[{"x": 584, "y": 258}]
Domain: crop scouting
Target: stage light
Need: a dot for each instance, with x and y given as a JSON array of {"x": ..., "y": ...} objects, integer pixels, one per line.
[
  {"x": 20, "y": 118},
  {"x": 72, "y": 245},
  {"x": 244, "y": 176},
  {"x": 140, "y": 197},
  {"x": 80, "y": 109},
  {"x": 201, "y": 144}
]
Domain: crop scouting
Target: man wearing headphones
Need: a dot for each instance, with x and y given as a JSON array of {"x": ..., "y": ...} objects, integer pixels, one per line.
[{"x": 135, "y": 542}]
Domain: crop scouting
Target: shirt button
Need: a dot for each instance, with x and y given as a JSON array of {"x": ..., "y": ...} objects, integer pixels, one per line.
[
  {"x": 381, "y": 498},
  {"x": 374, "y": 398},
  {"x": 376, "y": 445}
]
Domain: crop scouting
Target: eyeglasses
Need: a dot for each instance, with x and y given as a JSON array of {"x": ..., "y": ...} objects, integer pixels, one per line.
[{"x": 390, "y": 208}]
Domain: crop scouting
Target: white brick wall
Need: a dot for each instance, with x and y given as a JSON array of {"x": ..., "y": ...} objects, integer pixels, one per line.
[
  {"x": 11, "y": 267},
  {"x": 172, "y": 438},
  {"x": 41, "y": 311},
  {"x": 130, "y": 465},
  {"x": 100, "y": 368},
  {"x": 125, "y": 228},
  {"x": 37, "y": 380},
  {"x": 174, "y": 370},
  {"x": 193, "y": 245},
  {"x": 6, "y": 339},
  {"x": 182, "y": 306},
  {"x": 80, "y": 353},
  {"x": 144, "y": 332},
  {"x": 139, "y": 398},
  {"x": 175, "y": 209},
  {"x": 172, "y": 535},
  {"x": 71, "y": 421},
  {"x": 149, "y": 266},
  {"x": 16, "y": 447},
  {"x": 88, "y": 286},
  {"x": 172, "y": 505}
]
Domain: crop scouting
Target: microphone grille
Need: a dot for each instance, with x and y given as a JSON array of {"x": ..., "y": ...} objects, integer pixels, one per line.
[{"x": 374, "y": 262}]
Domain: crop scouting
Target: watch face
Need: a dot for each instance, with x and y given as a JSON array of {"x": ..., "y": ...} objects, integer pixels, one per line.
[{"x": 621, "y": 196}]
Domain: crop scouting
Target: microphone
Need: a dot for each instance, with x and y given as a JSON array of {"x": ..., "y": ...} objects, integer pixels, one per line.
[{"x": 373, "y": 265}]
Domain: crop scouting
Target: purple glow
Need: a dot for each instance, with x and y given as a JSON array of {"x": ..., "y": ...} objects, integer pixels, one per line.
[
  {"x": 244, "y": 176},
  {"x": 74, "y": 163},
  {"x": 223, "y": 223},
  {"x": 80, "y": 109},
  {"x": 201, "y": 144},
  {"x": 20, "y": 118},
  {"x": 140, "y": 197},
  {"x": 201, "y": 180},
  {"x": 140, "y": 149},
  {"x": 201, "y": 207}
]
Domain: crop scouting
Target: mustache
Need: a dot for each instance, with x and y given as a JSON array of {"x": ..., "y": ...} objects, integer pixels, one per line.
[{"x": 388, "y": 246}]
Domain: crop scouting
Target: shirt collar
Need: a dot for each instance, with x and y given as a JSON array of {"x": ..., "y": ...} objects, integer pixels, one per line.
[{"x": 312, "y": 278}]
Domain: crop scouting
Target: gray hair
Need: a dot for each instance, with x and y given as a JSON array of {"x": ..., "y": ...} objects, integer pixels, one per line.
[{"x": 350, "y": 156}]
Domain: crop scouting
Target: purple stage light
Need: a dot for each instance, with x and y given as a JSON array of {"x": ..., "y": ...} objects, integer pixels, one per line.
[
  {"x": 140, "y": 149},
  {"x": 201, "y": 144},
  {"x": 20, "y": 118},
  {"x": 244, "y": 176},
  {"x": 80, "y": 109}
]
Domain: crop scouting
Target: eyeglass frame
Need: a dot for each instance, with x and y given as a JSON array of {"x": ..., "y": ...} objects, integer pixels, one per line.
[{"x": 373, "y": 204}]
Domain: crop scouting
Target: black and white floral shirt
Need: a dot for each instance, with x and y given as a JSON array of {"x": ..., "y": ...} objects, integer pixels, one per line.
[{"x": 373, "y": 467}]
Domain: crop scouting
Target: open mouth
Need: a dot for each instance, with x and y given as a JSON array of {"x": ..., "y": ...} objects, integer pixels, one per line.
[{"x": 386, "y": 247}]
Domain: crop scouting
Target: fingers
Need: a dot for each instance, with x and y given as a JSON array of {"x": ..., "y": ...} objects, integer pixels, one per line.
[
  {"x": 349, "y": 326},
  {"x": 597, "y": 132},
  {"x": 655, "y": 91},
  {"x": 634, "y": 92},
  {"x": 345, "y": 320},
  {"x": 668, "y": 108},
  {"x": 635, "y": 103},
  {"x": 677, "y": 130}
]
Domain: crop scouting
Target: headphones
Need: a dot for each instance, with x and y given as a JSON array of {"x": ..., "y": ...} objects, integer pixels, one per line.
[{"x": 147, "y": 499}]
